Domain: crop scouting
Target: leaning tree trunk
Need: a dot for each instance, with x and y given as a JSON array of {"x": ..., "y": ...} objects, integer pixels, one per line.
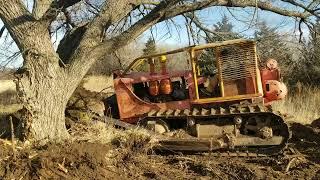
[
  {"x": 44, "y": 92},
  {"x": 41, "y": 83}
]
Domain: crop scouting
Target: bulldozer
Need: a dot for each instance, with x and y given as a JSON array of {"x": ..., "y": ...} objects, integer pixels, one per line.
[{"x": 225, "y": 105}]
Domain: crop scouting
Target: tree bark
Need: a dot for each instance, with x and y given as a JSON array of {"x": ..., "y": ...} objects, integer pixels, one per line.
[
  {"x": 44, "y": 92},
  {"x": 44, "y": 114}
]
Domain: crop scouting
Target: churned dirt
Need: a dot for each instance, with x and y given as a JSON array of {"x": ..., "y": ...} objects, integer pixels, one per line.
[{"x": 112, "y": 154}]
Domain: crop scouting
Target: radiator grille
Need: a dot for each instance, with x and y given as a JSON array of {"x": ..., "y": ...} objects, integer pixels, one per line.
[{"x": 237, "y": 61}]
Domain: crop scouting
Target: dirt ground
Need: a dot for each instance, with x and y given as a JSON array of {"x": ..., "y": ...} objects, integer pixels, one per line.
[{"x": 127, "y": 157}]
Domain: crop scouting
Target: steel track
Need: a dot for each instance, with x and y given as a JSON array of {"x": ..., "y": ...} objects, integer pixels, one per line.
[{"x": 231, "y": 111}]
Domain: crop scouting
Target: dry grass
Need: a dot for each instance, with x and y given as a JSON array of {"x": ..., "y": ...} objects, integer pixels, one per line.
[
  {"x": 98, "y": 84},
  {"x": 10, "y": 108},
  {"x": 7, "y": 85},
  {"x": 301, "y": 105},
  {"x": 105, "y": 133}
]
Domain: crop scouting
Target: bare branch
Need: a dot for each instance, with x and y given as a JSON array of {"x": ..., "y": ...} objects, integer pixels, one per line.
[
  {"x": 306, "y": 8},
  {"x": 40, "y": 7},
  {"x": 268, "y": 6},
  {"x": 300, "y": 30},
  {"x": 200, "y": 25},
  {"x": 31, "y": 36},
  {"x": 68, "y": 17},
  {"x": 1, "y": 31},
  {"x": 155, "y": 16},
  {"x": 112, "y": 12},
  {"x": 166, "y": 10},
  {"x": 16, "y": 19},
  {"x": 70, "y": 42},
  {"x": 92, "y": 6},
  {"x": 54, "y": 8}
]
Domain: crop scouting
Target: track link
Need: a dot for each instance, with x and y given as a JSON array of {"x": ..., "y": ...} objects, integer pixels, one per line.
[
  {"x": 176, "y": 144},
  {"x": 205, "y": 145}
]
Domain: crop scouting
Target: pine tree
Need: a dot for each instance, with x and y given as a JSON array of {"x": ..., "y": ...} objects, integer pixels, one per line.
[
  {"x": 308, "y": 67},
  {"x": 150, "y": 48},
  {"x": 314, "y": 45},
  {"x": 271, "y": 45},
  {"x": 223, "y": 30}
]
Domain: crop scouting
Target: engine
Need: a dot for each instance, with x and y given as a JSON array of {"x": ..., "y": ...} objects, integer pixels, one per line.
[{"x": 273, "y": 89}]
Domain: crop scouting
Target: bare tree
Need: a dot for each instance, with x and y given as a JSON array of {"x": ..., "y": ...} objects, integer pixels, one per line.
[{"x": 49, "y": 77}]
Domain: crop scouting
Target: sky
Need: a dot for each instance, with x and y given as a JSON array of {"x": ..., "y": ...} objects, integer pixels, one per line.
[{"x": 243, "y": 19}]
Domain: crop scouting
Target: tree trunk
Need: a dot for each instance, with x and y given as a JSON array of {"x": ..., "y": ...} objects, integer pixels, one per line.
[{"x": 44, "y": 91}]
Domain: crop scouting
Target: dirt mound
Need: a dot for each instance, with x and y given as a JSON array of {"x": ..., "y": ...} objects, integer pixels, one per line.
[
  {"x": 84, "y": 105},
  {"x": 306, "y": 139},
  {"x": 309, "y": 133},
  {"x": 92, "y": 153},
  {"x": 101, "y": 152},
  {"x": 316, "y": 124},
  {"x": 79, "y": 160}
]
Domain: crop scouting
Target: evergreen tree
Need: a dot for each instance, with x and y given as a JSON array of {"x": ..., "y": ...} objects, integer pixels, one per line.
[
  {"x": 271, "y": 45},
  {"x": 223, "y": 30},
  {"x": 150, "y": 48},
  {"x": 307, "y": 69},
  {"x": 313, "y": 52}
]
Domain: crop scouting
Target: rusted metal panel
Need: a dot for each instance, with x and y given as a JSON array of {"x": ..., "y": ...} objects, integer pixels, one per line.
[{"x": 131, "y": 107}]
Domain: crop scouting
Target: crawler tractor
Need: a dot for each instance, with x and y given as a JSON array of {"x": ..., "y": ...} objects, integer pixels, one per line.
[{"x": 220, "y": 98}]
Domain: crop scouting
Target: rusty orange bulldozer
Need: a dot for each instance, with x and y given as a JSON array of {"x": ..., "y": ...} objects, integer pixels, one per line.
[{"x": 224, "y": 104}]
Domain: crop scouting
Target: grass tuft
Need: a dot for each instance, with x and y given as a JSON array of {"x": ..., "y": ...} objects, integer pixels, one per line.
[
  {"x": 106, "y": 133},
  {"x": 301, "y": 105}
]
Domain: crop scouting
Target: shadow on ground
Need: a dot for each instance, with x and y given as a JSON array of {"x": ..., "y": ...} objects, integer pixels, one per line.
[
  {"x": 306, "y": 139},
  {"x": 94, "y": 160}
]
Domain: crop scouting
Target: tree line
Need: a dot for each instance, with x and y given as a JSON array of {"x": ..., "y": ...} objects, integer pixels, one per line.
[{"x": 299, "y": 61}]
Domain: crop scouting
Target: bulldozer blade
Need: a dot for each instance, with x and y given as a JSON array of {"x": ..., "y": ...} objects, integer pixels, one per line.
[
  {"x": 187, "y": 145},
  {"x": 198, "y": 145}
]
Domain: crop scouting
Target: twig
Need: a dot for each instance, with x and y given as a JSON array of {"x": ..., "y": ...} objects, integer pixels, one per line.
[
  {"x": 12, "y": 138},
  {"x": 289, "y": 164},
  {"x": 23, "y": 175},
  {"x": 184, "y": 158},
  {"x": 1, "y": 31},
  {"x": 61, "y": 166}
]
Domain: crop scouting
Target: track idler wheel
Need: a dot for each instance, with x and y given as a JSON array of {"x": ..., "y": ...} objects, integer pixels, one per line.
[
  {"x": 261, "y": 126},
  {"x": 265, "y": 132},
  {"x": 158, "y": 126}
]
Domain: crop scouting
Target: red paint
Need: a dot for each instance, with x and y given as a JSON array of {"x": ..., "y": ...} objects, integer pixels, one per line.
[
  {"x": 273, "y": 89},
  {"x": 132, "y": 108}
]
